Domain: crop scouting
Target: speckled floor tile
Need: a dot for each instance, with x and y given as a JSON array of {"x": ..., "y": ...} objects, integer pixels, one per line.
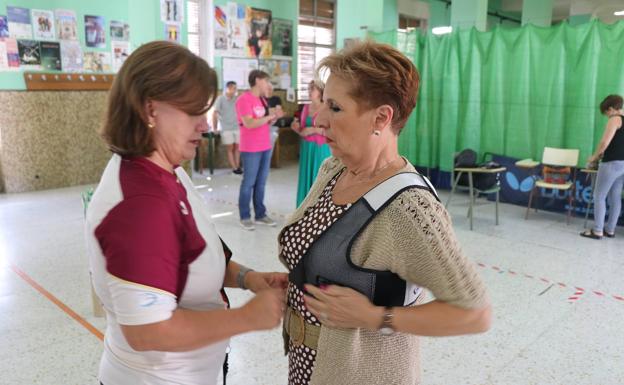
[{"x": 538, "y": 336}]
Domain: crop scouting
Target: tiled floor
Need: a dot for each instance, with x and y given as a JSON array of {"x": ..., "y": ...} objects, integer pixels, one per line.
[{"x": 531, "y": 268}]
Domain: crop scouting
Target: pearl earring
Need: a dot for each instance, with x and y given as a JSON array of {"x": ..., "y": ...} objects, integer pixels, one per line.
[
  {"x": 376, "y": 132},
  {"x": 150, "y": 125}
]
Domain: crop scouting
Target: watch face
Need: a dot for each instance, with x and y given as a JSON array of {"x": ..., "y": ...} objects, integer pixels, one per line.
[{"x": 386, "y": 331}]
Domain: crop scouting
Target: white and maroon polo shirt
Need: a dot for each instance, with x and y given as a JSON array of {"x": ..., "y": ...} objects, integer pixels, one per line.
[{"x": 153, "y": 248}]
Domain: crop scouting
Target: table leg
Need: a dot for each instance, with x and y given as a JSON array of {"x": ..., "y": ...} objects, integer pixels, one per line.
[
  {"x": 591, "y": 200},
  {"x": 471, "y": 196},
  {"x": 453, "y": 186},
  {"x": 211, "y": 140}
]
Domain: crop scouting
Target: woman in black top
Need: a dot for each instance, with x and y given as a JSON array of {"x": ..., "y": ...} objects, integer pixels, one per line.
[{"x": 610, "y": 179}]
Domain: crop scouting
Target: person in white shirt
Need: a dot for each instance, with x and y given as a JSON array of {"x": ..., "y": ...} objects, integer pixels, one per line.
[{"x": 224, "y": 117}]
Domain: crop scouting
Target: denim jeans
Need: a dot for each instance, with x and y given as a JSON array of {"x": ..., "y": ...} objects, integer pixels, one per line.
[
  {"x": 255, "y": 173},
  {"x": 609, "y": 183}
]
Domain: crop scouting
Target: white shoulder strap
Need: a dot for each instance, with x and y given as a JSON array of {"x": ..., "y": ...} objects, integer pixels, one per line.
[{"x": 387, "y": 189}]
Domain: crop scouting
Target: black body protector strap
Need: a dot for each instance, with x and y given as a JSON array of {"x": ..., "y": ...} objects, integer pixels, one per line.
[{"x": 328, "y": 260}]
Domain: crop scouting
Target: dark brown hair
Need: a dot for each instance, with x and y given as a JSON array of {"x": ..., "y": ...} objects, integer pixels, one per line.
[
  {"x": 157, "y": 71},
  {"x": 379, "y": 74},
  {"x": 611, "y": 101},
  {"x": 255, "y": 75}
]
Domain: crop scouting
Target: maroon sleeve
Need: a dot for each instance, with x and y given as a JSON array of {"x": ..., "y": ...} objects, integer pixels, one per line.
[{"x": 141, "y": 242}]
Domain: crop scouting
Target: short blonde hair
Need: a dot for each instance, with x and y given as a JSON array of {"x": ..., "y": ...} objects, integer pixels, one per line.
[
  {"x": 379, "y": 74},
  {"x": 160, "y": 71}
]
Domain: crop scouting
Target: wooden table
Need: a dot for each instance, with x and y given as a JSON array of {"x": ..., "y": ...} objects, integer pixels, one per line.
[{"x": 471, "y": 189}]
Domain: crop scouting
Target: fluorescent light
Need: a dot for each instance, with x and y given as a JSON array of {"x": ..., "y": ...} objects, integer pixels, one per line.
[
  {"x": 441, "y": 30},
  {"x": 619, "y": 13}
]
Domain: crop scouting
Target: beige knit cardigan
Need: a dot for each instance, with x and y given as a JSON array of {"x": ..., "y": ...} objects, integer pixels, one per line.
[{"x": 412, "y": 237}]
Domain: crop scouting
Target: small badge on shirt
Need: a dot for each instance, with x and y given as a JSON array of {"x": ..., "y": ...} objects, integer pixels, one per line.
[{"x": 183, "y": 208}]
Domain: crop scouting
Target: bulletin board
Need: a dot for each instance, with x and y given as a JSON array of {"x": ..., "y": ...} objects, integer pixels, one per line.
[{"x": 238, "y": 69}]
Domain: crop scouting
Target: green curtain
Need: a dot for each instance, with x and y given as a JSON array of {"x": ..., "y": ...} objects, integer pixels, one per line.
[{"x": 510, "y": 91}]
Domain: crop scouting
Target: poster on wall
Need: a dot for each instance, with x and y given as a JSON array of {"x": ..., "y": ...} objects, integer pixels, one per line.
[
  {"x": 281, "y": 37},
  {"x": 237, "y": 27},
  {"x": 43, "y": 24},
  {"x": 259, "y": 42},
  {"x": 238, "y": 69},
  {"x": 71, "y": 56},
  {"x": 220, "y": 31},
  {"x": 119, "y": 30},
  {"x": 19, "y": 22},
  {"x": 50, "y": 55},
  {"x": 172, "y": 11},
  {"x": 121, "y": 51},
  {"x": 95, "y": 32},
  {"x": 4, "y": 27},
  {"x": 96, "y": 61},
  {"x": 4, "y": 61},
  {"x": 12, "y": 53},
  {"x": 172, "y": 32},
  {"x": 29, "y": 53},
  {"x": 279, "y": 70},
  {"x": 66, "y": 26}
]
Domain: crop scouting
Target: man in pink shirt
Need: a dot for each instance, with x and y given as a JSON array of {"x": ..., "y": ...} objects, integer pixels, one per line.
[{"x": 255, "y": 148}]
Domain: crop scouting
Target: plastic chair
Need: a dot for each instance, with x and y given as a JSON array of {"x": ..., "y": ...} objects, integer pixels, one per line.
[{"x": 558, "y": 157}]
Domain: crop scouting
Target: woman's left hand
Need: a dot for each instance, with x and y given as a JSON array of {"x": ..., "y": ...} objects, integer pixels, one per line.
[
  {"x": 337, "y": 306},
  {"x": 257, "y": 281}
]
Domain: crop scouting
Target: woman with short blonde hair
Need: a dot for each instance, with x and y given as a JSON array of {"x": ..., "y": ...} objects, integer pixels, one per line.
[{"x": 370, "y": 237}]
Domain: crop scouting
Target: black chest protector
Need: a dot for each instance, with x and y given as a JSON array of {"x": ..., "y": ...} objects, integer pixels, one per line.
[{"x": 328, "y": 260}]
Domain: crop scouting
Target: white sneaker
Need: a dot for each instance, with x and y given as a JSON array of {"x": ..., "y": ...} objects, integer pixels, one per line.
[
  {"x": 266, "y": 221},
  {"x": 247, "y": 224}
]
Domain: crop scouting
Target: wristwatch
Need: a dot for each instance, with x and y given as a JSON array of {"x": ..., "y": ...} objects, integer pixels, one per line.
[
  {"x": 386, "y": 327},
  {"x": 240, "y": 278}
]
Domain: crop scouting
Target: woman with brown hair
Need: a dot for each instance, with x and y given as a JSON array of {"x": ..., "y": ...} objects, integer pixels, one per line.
[
  {"x": 313, "y": 149},
  {"x": 369, "y": 237},
  {"x": 610, "y": 178},
  {"x": 157, "y": 262}
]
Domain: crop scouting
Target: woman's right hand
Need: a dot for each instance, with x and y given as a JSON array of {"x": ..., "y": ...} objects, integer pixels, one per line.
[
  {"x": 266, "y": 309},
  {"x": 295, "y": 125}
]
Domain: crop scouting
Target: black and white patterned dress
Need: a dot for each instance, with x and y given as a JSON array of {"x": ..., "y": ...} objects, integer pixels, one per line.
[{"x": 295, "y": 241}]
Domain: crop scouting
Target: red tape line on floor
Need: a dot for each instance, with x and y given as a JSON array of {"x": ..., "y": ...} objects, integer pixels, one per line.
[
  {"x": 58, "y": 302},
  {"x": 579, "y": 291}
]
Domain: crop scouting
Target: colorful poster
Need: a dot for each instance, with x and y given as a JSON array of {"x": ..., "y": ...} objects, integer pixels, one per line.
[
  {"x": 279, "y": 70},
  {"x": 50, "y": 55},
  {"x": 4, "y": 60},
  {"x": 71, "y": 56},
  {"x": 19, "y": 22},
  {"x": 12, "y": 53},
  {"x": 172, "y": 32},
  {"x": 29, "y": 53},
  {"x": 172, "y": 11},
  {"x": 237, "y": 27},
  {"x": 259, "y": 41},
  {"x": 96, "y": 61},
  {"x": 95, "y": 32},
  {"x": 121, "y": 51},
  {"x": 66, "y": 24},
  {"x": 281, "y": 37},
  {"x": 220, "y": 31},
  {"x": 43, "y": 24},
  {"x": 119, "y": 30},
  {"x": 4, "y": 27}
]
